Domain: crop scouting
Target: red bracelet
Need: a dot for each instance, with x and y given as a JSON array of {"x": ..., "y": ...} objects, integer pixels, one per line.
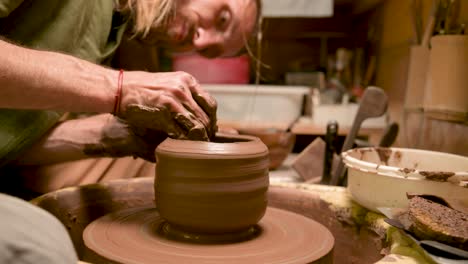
[{"x": 118, "y": 94}]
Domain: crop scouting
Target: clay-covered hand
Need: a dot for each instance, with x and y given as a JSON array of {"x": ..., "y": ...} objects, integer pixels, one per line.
[
  {"x": 173, "y": 102},
  {"x": 118, "y": 139}
]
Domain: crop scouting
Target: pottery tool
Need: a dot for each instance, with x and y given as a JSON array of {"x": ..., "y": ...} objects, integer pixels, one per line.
[
  {"x": 431, "y": 22},
  {"x": 330, "y": 140},
  {"x": 447, "y": 17},
  {"x": 453, "y": 15},
  {"x": 370, "y": 71},
  {"x": 389, "y": 136},
  {"x": 309, "y": 164},
  {"x": 416, "y": 19},
  {"x": 432, "y": 247},
  {"x": 373, "y": 104},
  {"x": 450, "y": 16},
  {"x": 432, "y": 222}
]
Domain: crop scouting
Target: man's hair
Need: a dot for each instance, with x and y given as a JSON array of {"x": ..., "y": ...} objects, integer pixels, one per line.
[
  {"x": 146, "y": 14},
  {"x": 252, "y": 40},
  {"x": 258, "y": 17},
  {"x": 154, "y": 13}
]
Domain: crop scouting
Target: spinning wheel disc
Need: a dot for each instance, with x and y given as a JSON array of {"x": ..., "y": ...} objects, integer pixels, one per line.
[{"x": 131, "y": 236}]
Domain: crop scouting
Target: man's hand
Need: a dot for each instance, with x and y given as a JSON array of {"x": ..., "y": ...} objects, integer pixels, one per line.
[
  {"x": 118, "y": 139},
  {"x": 97, "y": 136},
  {"x": 172, "y": 102}
]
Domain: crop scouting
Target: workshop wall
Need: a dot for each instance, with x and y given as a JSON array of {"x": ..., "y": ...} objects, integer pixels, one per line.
[
  {"x": 392, "y": 72},
  {"x": 304, "y": 44}
]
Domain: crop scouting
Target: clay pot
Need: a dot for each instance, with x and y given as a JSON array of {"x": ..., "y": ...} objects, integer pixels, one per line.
[{"x": 212, "y": 187}]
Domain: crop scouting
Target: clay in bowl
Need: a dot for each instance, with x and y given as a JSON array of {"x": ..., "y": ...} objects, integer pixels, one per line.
[{"x": 214, "y": 187}]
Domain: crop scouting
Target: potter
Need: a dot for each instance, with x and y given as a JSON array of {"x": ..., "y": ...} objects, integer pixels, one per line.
[
  {"x": 212, "y": 187},
  {"x": 136, "y": 110},
  {"x": 52, "y": 57}
]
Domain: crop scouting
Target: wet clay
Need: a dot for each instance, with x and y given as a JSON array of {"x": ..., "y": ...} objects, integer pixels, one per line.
[
  {"x": 456, "y": 204},
  {"x": 384, "y": 154},
  {"x": 209, "y": 105},
  {"x": 186, "y": 126},
  {"x": 440, "y": 176},
  {"x": 434, "y": 221},
  {"x": 119, "y": 139},
  {"x": 407, "y": 170},
  {"x": 131, "y": 236},
  {"x": 212, "y": 187}
]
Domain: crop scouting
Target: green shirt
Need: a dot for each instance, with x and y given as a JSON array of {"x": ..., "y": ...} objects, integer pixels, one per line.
[{"x": 88, "y": 29}]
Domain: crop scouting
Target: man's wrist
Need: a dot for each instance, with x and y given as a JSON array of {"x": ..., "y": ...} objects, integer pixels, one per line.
[{"x": 103, "y": 86}]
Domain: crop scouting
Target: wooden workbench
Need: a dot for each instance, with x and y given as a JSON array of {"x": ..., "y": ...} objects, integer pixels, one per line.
[
  {"x": 388, "y": 244},
  {"x": 358, "y": 224}
]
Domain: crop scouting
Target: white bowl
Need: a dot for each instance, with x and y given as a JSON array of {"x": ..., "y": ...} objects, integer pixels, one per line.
[
  {"x": 262, "y": 106},
  {"x": 381, "y": 177}
]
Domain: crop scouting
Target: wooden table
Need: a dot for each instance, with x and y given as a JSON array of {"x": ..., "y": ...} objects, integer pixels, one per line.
[{"x": 362, "y": 235}]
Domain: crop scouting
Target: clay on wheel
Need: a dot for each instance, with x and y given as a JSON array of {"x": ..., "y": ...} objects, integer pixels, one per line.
[
  {"x": 212, "y": 187},
  {"x": 131, "y": 236}
]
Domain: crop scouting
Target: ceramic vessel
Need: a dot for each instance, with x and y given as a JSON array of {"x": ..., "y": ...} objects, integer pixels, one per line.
[
  {"x": 212, "y": 187},
  {"x": 382, "y": 177}
]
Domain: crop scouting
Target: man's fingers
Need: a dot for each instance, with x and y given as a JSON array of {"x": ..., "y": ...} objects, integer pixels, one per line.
[
  {"x": 197, "y": 111},
  {"x": 177, "y": 122},
  {"x": 203, "y": 98},
  {"x": 154, "y": 118},
  {"x": 184, "y": 94},
  {"x": 195, "y": 130},
  {"x": 207, "y": 103},
  {"x": 209, "y": 106},
  {"x": 163, "y": 101}
]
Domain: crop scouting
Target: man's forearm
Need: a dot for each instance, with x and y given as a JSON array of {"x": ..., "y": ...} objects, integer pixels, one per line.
[
  {"x": 32, "y": 79},
  {"x": 97, "y": 136},
  {"x": 65, "y": 142}
]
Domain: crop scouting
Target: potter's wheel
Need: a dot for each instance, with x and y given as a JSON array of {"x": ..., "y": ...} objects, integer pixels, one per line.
[{"x": 132, "y": 236}]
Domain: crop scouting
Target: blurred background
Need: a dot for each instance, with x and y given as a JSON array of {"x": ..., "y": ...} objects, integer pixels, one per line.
[{"x": 312, "y": 62}]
